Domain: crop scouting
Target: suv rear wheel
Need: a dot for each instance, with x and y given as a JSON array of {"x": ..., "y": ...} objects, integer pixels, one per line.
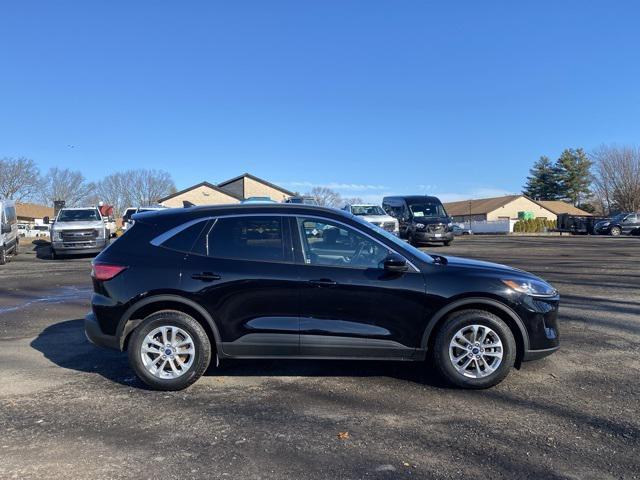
[
  {"x": 169, "y": 350},
  {"x": 474, "y": 349}
]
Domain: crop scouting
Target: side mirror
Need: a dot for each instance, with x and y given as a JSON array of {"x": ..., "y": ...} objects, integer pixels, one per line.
[
  {"x": 45, "y": 220},
  {"x": 395, "y": 263},
  {"x": 6, "y": 228}
]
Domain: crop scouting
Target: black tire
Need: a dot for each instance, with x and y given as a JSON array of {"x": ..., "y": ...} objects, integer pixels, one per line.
[
  {"x": 201, "y": 344},
  {"x": 447, "y": 243},
  {"x": 615, "y": 231},
  {"x": 54, "y": 255},
  {"x": 3, "y": 256},
  {"x": 457, "y": 321},
  {"x": 412, "y": 240}
]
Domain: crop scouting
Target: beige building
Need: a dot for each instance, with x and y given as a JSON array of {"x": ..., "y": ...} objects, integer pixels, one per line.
[
  {"x": 497, "y": 208},
  {"x": 203, "y": 193},
  {"x": 247, "y": 186},
  {"x": 231, "y": 191},
  {"x": 32, "y": 213}
]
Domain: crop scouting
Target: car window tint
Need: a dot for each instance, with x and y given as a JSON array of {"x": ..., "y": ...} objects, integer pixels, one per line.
[
  {"x": 328, "y": 243},
  {"x": 184, "y": 241},
  {"x": 247, "y": 238}
]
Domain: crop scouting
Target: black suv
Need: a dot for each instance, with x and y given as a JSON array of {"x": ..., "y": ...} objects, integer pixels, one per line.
[
  {"x": 297, "y": 281},
  {"x": 422, "y": 219}
]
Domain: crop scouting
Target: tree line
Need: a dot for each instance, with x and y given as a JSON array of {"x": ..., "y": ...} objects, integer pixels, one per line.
[
  {"x": 606, "y": 180},
  {"x": 21, "y": 180}
]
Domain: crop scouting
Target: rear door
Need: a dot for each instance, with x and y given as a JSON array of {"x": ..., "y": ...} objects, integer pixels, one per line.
[{"x": 242, "y": 271}]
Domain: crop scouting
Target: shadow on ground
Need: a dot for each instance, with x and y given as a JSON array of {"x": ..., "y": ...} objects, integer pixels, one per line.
[{"x": 66, "y": 345}]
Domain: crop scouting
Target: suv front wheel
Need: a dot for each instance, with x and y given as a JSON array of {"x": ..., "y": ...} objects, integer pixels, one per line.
[
  {"x": 474, "y": 349},
  {"x": 169, "y": 350}
]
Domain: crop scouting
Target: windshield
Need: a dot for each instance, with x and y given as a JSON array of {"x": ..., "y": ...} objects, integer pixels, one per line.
[
  {"x": 425, "y": 257},
  {"x": 86, "y": 215},
  {"x": 620, "y": 217},
  {"x": 427, "y": 209},
  {"x": 367, "y": 210}
]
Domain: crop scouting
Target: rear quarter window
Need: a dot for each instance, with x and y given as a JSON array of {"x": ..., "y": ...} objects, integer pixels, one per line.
[{"x": 185, "y": 240}]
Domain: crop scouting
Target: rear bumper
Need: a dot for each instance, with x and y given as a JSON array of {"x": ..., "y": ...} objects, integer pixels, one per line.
[{"x": 96, "y": 336}]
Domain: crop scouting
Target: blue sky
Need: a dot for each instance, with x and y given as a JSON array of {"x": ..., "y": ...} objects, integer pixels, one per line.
[{"x": 372, "y": 97}]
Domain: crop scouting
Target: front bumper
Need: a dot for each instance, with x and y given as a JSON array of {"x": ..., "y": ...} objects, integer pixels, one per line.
[
  {"x": 96, "y": 336},
  {"x": 78, "y": 248},
  {"x": 424, "y": 236}
]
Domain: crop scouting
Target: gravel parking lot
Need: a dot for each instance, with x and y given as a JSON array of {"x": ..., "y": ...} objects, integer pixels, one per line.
[{"x": 69, "y": 409}]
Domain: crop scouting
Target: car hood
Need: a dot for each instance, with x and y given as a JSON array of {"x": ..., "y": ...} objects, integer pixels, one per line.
[
  {"x": 77, "y": 225},
  {"x": 460, "y": 262},
  {"x": 378, "y": 218}
]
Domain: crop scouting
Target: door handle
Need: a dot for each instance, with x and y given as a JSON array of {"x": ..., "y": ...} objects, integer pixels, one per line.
[
  {"x": 323, "y": 282},
  {"x": 206, "y": 276}
]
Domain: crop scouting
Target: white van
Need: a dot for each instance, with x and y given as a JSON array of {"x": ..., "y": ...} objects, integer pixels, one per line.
[{"x": 8, "y": 230}]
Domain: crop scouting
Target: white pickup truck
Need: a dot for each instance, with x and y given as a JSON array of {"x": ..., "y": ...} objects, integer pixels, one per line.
[{"x": 77, "y": 231}]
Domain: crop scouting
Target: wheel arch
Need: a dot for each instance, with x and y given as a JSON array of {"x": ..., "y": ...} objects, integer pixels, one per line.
[
  {"x": 510, "y": 317},
  {"x": 137, "y": 312}
]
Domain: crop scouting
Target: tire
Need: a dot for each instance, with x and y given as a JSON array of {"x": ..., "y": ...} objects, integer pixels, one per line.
[
  {"x": 54, "y": 255},
  {"x": 466, "y": 319},
  {"x": 194, "y": 364},
  {"x": 412, "y": 240},
  {"x": 447, "y": 243},
  {"x": 615, "y": 231},
  {"x": 3, "y": 256}
]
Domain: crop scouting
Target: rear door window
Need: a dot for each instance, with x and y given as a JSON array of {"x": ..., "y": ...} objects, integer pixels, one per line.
[{"x": 259, "y": 238}]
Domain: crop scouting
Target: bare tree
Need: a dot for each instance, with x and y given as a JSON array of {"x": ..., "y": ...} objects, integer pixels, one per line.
[
  {"x": 148, "y": 186},
  {"x": 617, "y": 178},
  {"x": 352, "y": 201},
  {"x": 19, "y": 178},
  {"x": 67, "y": 185},
  {"x": 326, "y": 197},
  {"x": 115, "y": 190}
]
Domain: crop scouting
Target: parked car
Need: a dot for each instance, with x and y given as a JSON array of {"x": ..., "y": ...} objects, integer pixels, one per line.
[
  {"x": 78, "y": 231},
  {"x": 621, "y": 224},
  {"x": 422, "y": 219},
  {"x": 127, "y": 221},
  {"x": 296, "y": 281},
  {"x": 376, "y": 215},
  {"x": 8, "y": 230},
  {"x": 459, "y": 230},
  {"x": 307, "y": 200}
]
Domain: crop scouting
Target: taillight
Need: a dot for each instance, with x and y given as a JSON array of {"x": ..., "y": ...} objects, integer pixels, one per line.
[{"x": 104, "y": 271}]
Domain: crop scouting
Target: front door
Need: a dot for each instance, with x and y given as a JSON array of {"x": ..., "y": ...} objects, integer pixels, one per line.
[
  {"x": 351, "y": 306},
  {"x": 631, "y": 224},
  {"x": 242, "y": 272}
]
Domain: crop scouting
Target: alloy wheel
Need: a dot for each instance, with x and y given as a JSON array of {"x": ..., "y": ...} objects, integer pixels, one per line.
[
  {"x": 476, "y": 351},
  {"x": 167, "y": 352}
]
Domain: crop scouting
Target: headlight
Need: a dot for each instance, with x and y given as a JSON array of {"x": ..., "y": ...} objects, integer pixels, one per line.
[
  {"x": 535, "y": 288},
  {"x": 419, "y": 226},
  {"x": 449, "y": 225},
  {"x": 56, "y": 235}
]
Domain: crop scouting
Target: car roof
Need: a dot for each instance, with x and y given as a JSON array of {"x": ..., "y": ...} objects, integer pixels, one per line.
[
  {"x": 410, "y": 197},
  {"x": 79, "y": 208},
  {"x": 189, "y": 213}
]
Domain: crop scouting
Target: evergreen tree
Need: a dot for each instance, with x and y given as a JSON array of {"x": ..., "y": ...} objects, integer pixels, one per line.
[
  {"x": 574, "y": 170},
  {"x": 543, "y": 182}
]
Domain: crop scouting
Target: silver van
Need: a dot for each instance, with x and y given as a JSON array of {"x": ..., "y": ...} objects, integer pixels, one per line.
[{"x": 8, "y": 230}]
